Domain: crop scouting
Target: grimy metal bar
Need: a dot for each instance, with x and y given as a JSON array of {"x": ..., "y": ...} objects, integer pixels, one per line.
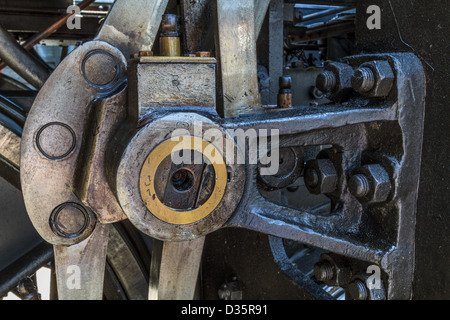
[
  {"x": 29, "y": 43},
  {"x": 260, "y": 13},
  {"x": 238, "y": 91},
  {"x": 24, "y": 267},
  {"x": 176, "y": 270},
  {"x": 80, "y": 268},
  {"x": 21, "y": 61},
  {"x": 132, "y": 25}
]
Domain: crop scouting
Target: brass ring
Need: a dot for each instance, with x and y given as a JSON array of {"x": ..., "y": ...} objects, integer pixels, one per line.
[{"x": 154, "y": 159}]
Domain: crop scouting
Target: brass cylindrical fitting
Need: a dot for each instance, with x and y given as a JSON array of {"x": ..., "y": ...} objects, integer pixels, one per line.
[
  {"x": 284, "y": 99},
  {"x": 169, "y": 41}
]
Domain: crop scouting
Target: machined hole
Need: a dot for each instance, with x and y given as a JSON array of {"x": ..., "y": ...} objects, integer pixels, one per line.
[{"x": 182, "y": 180}]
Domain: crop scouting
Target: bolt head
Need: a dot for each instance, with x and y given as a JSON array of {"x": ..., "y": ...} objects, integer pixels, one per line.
[
  {"x": 326, "y": 181},
  {"x": 343, "y": 73},
  {"x": 341, "y": 89}
]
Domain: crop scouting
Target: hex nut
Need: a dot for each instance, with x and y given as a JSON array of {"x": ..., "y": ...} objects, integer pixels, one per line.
[
  {"x": 320, "y": 176},
  {"x": 379, "y": 184},
  {"x": 343, "y": 73},
  {"x": 383, "y": 78},
  {"x": 335, "y": 81}
]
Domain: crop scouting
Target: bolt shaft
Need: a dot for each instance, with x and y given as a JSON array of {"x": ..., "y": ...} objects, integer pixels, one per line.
[
  {"x": 358, "y": 290},
  {"x": 323, "y": 271},
  {"x": 326, "y": 81},
  {"x": 359, "y": 185},
  {"x": 311, "y": 177},
  {"x": 363, "y": 79}
]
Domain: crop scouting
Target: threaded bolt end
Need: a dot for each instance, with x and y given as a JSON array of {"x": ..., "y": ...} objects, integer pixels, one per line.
[
  {"x": 357, "y": 290},
  {"x": 363, "y": 79},
  {"x": 359, "y": 185},
  {"x": 323, "y": 271},
  {"x": 326, "y": 81}
]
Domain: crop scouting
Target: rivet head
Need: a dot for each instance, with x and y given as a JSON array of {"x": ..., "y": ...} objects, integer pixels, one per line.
[
  {"x": 100, "y": 69},
  {"x": 55, "y": 140},
  {"x": 69, "y": 220}
]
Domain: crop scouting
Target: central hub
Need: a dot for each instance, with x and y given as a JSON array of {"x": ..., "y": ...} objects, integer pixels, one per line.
[
  {"x": 185, "y": 186},
  {"x": 173, "y": 181}
]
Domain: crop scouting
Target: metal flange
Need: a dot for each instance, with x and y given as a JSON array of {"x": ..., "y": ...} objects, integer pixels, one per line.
[{"x": 53, "y": 137}]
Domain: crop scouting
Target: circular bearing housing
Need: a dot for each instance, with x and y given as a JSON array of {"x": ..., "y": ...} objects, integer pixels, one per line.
[{"x": 138, "y": 171}]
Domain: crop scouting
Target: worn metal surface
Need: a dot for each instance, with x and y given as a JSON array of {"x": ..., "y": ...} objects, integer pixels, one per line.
[
  {"x": 80, "y": 268},
  {"x": 260, "y": 7},
  {"x": 196, "y": 32},
  {"x": 91, "y": 184},
  {"x": 132, "y": 25},
  {"x": 238, "y": 89},
  {"x": 122, "y": 259},
  {"x": 22, "y": 62},
  {"x": 47, "y": 182},
  {"x": 179, "y": 267},
  {"x": 184, "y": 81},
  {"x": 356, "y": 126}
]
